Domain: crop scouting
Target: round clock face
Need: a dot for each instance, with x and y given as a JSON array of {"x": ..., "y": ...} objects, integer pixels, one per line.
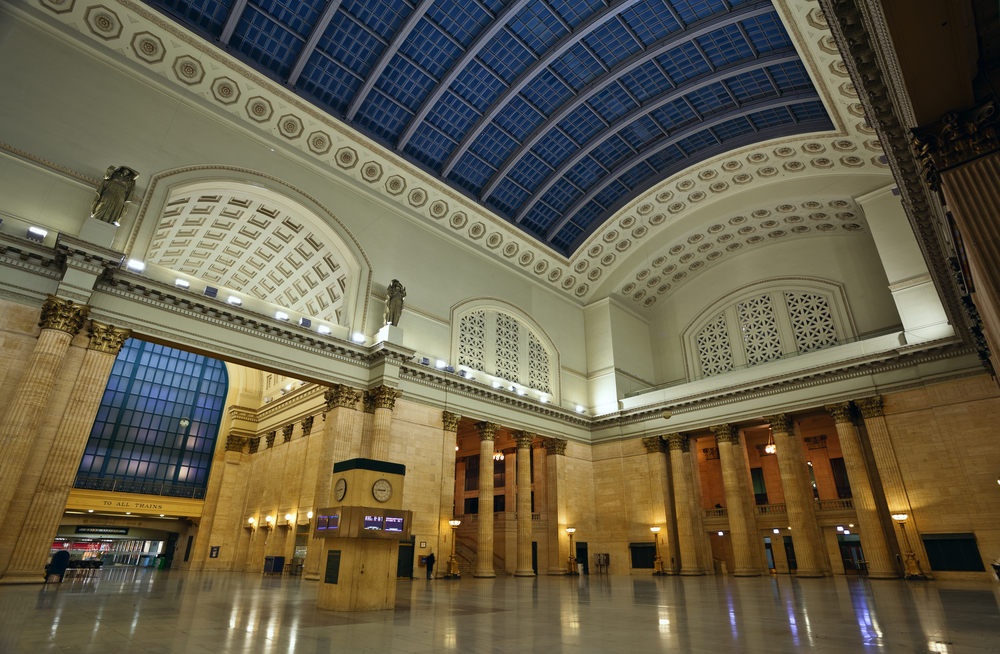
[
  {"x": 340, "y": 489},
  {"x": 382, "y": 490}
]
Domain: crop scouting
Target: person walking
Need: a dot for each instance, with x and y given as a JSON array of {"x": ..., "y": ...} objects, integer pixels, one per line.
[{"x": 430, "y": 566}]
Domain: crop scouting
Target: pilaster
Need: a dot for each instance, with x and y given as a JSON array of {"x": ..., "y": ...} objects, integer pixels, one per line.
[
  {"x": 484, "y": 554},
  {"x": 661, "y": 501},
  {"x": 557, "y": 501},
  {"x": 742, "y": 526},
  {"x": 523, "y": 466},
  {"x": 685, "y": 503},
  {"x": 449, "y": 426}
]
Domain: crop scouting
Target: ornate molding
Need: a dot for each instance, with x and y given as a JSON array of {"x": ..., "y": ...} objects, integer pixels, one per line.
[
  {"x": 555, "y": 446},
  {"x": 243, "y": 413},
  {"x": 63, "y": 315},
  {"x": 450, "y": 421},
  {"x": 653, "y": 444},
  {"x": 711, "y": 453},
  {"x": 958, "y": 138},
  {"x": 341, "y": 395},
  {"x": 841, "y": 411},
  {"x": 286, "y": 432},
  {"x": 677, "y": 442},
  {"x": 235, "y": 443},
  {"x": 307, "y": 425},
  {"x": 780, "y": 422},
  {"x": 270, "y": 438},
  {"x": 487, "y": 430},
  {"x": 524, "y": 439},
  {"x": 107, "y": 338},
  {"x": 815, "y": 442},
  {"x": 254, "y": 444},
  {"x": 725, "y": 433},
  {"x": 870, "y": 407},
  {"x": 367, "y": 402},
  {"x": 385, "y": 397}
]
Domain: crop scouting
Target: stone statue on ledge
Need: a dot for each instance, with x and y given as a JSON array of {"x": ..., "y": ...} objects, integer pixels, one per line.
[
  {"x": 113, "y": 195},
  {"x": 394, "y": 303}
]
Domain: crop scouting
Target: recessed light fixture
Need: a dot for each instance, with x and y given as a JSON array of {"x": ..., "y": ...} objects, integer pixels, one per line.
[
  {"x": 161, "y": 515},
  {"x": 323, "y": 329},
  {"x": 543, "y": 399},
  {"x": 357, "y": 338},
  {"x": 288, "y": 388},
  {"x": 128, "y": 513},
  {"x": 847, "y": 531},
  {"x": 520, "y": 391},
  {"x": 136, "y": 266},
  {"x": 777, "y": 531},
  {"x": 440, "y": 364},
  {"x": 183, "y": 283},
  {"x": 281, "y": 315},
  {"x": 496, "y": 384},
  {"x": 720, "y": 533},
  {"x": 37, "y": 234},
  {"x": 579, "y": 409},
  {"x": 90, "y": 510},
  {"x": 235, "y": 301}
]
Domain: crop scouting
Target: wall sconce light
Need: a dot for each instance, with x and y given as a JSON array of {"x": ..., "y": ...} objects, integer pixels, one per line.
[
  {"x": 770, "y": 448},
  {"x": 720, "y": 533},
  {"x": 269, "y": 522},
  {"x": 250, "y": 523},
  {"x": 310, "y": 515},
  {"x": 289, "y": 518}
]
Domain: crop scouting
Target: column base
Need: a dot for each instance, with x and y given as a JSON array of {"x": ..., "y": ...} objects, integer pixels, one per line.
[
  {"x": 484, "y": 575},
  {"x": 810, "y": 574},
  {"x": 524, "y": 573},
  {"x": 746, "y": 573},
  {"x": 311, "y": 576},
  {"x": 556, "y": 571},
  {"x": 11, "y": 578},
  {"x": 883, "y": 575},
  {"x": 691, "y": 573}
]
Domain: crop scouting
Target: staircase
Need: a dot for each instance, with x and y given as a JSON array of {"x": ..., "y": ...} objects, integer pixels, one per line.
[{"x": 465, "y": 554}]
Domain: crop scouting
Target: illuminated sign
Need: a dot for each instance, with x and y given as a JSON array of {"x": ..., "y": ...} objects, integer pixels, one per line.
[
  {"x": 328, "y": 522},
  {"x": 121, "y": 531},
  {"x": 373, "y": 522},
  {"x": 394, "y": 524}
]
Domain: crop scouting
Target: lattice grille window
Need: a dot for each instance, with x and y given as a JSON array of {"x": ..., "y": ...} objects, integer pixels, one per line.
[
  {"x": 472, "y": 340},
  {"x": 812, "y": 321},
  {"x": 714, "y": 349},
  {"x": 759, "y": 329},
  {"x": 507, "y": 347},
  {"x": 538, "y": 365}
]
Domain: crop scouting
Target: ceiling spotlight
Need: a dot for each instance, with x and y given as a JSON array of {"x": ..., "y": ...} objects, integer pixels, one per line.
[
  {"x": 128, "y": 513},
  {"x": 161, "y": 515},
  {"x": 90, "y": 510},
  {"x": 235, "y": 301},
  {"x": 543, "y": 399},
  {"x": 839, "y": 528},
  {"x": 847, "y": 531},
  {"x": 777, "y": 531},
  {"x": 579, "y": 409},
  {"x": 720, "y": 533},
  {"x": 136, "y": 266},
  {"x": 280, "y": 315},
  {"x": 183, "y": 283},
  {"x": 37, "y": 234},
  {"x": 357, "y": 338},
  {"x": 323, "y": 329},
  {"x": 440, "y": 364},
  {"x": 496, "y": 384}
]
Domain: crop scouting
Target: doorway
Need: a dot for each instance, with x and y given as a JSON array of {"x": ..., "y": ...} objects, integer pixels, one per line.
[
  {"x": 581, "y": 557},
  {"x": 404, "y": 564},
  {"x": 534, "y": 557},
  {"x": 852, "y": 555},
  {"x": 790, "y": 553}
]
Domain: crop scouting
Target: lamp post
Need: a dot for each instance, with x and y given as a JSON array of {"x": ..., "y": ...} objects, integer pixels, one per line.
[
  {"x": 453, "y": 562},
  {"x": 571, "y": 560},
  {"x": 910, "y": 561},
  {"x": 657, "y": 562}
]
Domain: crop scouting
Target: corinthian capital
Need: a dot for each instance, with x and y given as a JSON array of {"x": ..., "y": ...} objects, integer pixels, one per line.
[
  {"x": 63, "y": 315},
  {"x": 677, "y": 442},
  {"x": 286, "y": 432},
  {"x": 870, "y": 407},
  {"x": 307, "y": 425},
  {"x": 340, "y": 395},
  {"x": 107, "y": 338},
  {"x": 725, "y": 433},
  {"x": 385, "y": 397},
  {"x": 450, "y": 420},
  {"x": 487, "y": 430},
  {"x": 524, "y": 439},
  {"x": 653, "y": 444},
  {"x": 235, "y": 443},
  {"x": 780, "y": 422},
  {"x": 841, "y": 411},
  {"x": 555, "y": 446}
]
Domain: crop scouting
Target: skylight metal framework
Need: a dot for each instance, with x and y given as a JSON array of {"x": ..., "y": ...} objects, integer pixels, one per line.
[{"x": 551, "y": 113}]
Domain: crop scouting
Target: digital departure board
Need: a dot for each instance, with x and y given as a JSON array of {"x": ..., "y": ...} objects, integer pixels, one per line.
[
  {"x": 327, "y": 522},
  {"x": 394, "y": 524},
  {"x": 362, "y": 522},
  {"x": 373, "y": 522}
]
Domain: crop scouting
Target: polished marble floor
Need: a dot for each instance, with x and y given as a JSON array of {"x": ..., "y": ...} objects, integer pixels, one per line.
[{"x": 141, "y": 610}]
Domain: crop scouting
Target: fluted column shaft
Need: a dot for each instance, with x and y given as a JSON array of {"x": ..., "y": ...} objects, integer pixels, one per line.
[
  {"x": 447, "y": 508},
  {"x": 873, "y": 542},
  {"x": 367, "y": 425},
  {"x": 49, "y": 502},
  {"x": 484, "y": 553},
  {"x": 524, "y": 568},
  {"x": 385, "y": 402},
  {"x": 680, "y": 465},
  {"x": 61, "y": 320},
  {"x": 799, "y": 504},
  {"x": 741, "y": 525},
  {"x": 556, "y": 501}
]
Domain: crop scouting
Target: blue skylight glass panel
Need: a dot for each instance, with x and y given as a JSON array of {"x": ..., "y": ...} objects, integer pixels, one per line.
[
  {"x": 298, "y": 15},
  {"x": 666, "y": 157},
  {"x": 537, "y": 27},
  {"x": 519, "y": 118},
  {"x": 206, "y": 15},
  {"x": 567, "y": 236},
  {"x": 264, "y": 41},
  {"x": 329, "y": 83},
  {"x": 637, "y": 174},
  {"x": 585, "y": 217},
  {"x": 586, "y": 173},
  {"x": 495, "y": 5},
  {"x": 561, "y": 195},
  {"x": 611, "y": 194},
  {"x": 724, "y": 46},
  {"x": 641, "y": 132},
  {"x": 382, "y": 117},
  {"x": 506, "y": 56},
  {"x": 683, "y": 62},
  {"x": 350, "y": 44},
  {"x": 674, "y": 114},
  {"x": 612, "y": 102},
  {"x": 646, "y": 81},
  {"x": 698, "y": 141},
  {"x": 493, "y": 145},
  {"x": 383, "y": 16},
  {"x": 577, "y": 66},
  {"x": 554, "y": 147},
  {"x": 575, "y": 12},
  {"x": 471, "y": 173},
  {"x": 691, "y": 11},
  {"x": 751, "y": 85},
  {"x": 530, "y": 171},
  {"x": 507, "y": 198},
  {"x": 612, "y": 152},
  {"x": 732, "y": 128},
  {"x": 463, "y": 19},
  {"x": 791, "y": 76},
  {"x": 539, "y": 218},
  {"x": 612, "y": 42},
  {"x": 452, "y": 116},
  {"x": 651, "y": 21},
  {"x": 809, "y": 110},
  {"x": 405, "y": 83},
  {"x": 767, "y": 33},
  {"x": 547, "y": 92},
  {"x": 429, "y": 146},
  {"x": 711, "y": 99},
  {"x": 582, "y": 124},
  {"x": 431, "y": 49},
  {"x": 478, "y": 85},
  {"x": 770, "y": 118}
]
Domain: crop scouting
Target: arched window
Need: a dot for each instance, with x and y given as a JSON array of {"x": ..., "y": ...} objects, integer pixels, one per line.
[{"x": 156, "y": 428}]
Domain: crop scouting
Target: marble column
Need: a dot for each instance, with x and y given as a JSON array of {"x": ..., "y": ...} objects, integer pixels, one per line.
[
  {"x": 385, "y": 401},
  {"x": 557, "y": 503},
  {"x": 742, "y": 525},
  {"x": 661, "y": 497},
  {"x": 27, "y": 564},
  {"x": 484, "y": 554},
  {"x": 524, "y": 568},
  {"x": 447, "y": 508},
  {"x": 61, "y": 320},
  {"x": 367, "y": 425},
  {"x": 341, "y": 409},
  {"x": 873, "y": 541},
  {"x": 685, "y": 504},
  {"x": 799, "y": 503}
]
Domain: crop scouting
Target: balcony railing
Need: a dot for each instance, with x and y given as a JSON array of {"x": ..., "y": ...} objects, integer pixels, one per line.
[
  {"x": 770, "y": 509},
  {"x": 139, "y": 487},
  {"x": 835, "y": 505},
  {"x": 715, "y": 513}
]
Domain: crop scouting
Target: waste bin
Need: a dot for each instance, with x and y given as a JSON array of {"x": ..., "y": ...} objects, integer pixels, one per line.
[{"x": 274, "y": 564}]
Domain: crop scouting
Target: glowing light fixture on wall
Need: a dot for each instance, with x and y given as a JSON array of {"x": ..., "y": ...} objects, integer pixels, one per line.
[
  {"x": 498, "y": 456},
  {"x": 770, "y": 448}
]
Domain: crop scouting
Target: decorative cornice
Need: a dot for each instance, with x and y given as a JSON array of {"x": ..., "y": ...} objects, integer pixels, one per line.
[
  {"x": 555, "y": 446},
  {"x": 270, "y": 438},
  {"x": 72, "y": 251},
  {"x": 307, "y": 425},
  {"x": 654, "y": 444},
  {"x": 870, "y": 407},
  {"x": 385, "y": 397},
  {"x": 286, "y": 432},
  {"x": 254, "y": 444},
  {"x": 107, "y": 338},
  {"x": 243, "y": 413},
  {"x": 487, "y": 430},
  {"x": 780, "y": 423},
  {"x": 677, "y": 442},
  {"x": 841, "y": 411},
  {"x": 235, "y": 443},
  {"x": 450, "y": 421},
  {"x": 343, "y": 396},
  {"x": 63, "y": 315},
  {"x": 725, "y": 433},
  {"x": 958, "y": 138},
  {"x": 524, "y": 439}
]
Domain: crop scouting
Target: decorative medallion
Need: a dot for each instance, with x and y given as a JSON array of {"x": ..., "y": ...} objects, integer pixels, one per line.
[
  {"x": 58, "y": 6},
  {"x": 510, "y": 249},
  {"x": 761, "y": 213},
  {"x": 753, "y": 240},
  {"x": 705, "y": 247},
  {"x": 568, "y": 282},
  {"x": 800, "y": 229},
  {"x": 628, "y": 288},
  {"x": 718, "y": 187},
  {"x": 623, "y": 245},
  {"x": 785, "y": 208},
  {"x": 695, "y": 238},
  {"x": 768, "y": 224},
  {"x": 819, "y": 215},
  {"x": 677, "y": 249},
  {"x": 852, "y": 227},
  {"x": 814, "y": 148},
  {"x": 639, "y": 231},
  {"x": 733, "y": 247},
  {"x": 725, "y": 238},
  {"x": 685, "y": 185},
  {"x": 526, "y": 258},
  {"x": 811, "y": 204},
  {"x": 290, "y": 126},
  {"x": 737, "y": 220},
  {"x": 103, "y": 22},
  {"x": 749, "y": 229},
  {"x": 784, "y": 152},
  {"x": 794, "y": 166},
  {"x": 417, "y": 197},
  {"x": 494, "y": 240},
  {"x": 581, "y": 290},
  {"x": 697, "y": 196},
  {"x": 793, "y": 219},
  {"x": 679, "y": 276},
  {"x": 594, "y": 251},
  {"x": 676, "y": 207},
  {"x": 395, "y": 185},
  {"x": 608, "y": 259},
  {"x": 778, "y": 233},
  {"x": 225, "y": 90},
  {"x": 822, "y": 162},
  {"x": 826, "y": 227},
  {"x": 732, "y": 166},
  {"x": 626, "y": 222},
  {"x": 371, "y": 172},
  {"x": 638, "y": 295},
  {"x": 664, "y": 196},
  {"x": 188, "y": 70},
  {"x": 581, "y": 265},
  {"x": 594, "y": 274},
  {"x": 757, "y": 158},
  {"x": 555, "y": 274},
  {"x": 669, "y": 269},
  {"x": 844, "y": 145},
  {"x": 743, "y": 178},
  {"x": 259, "y": 109},
  {"x": 653, "y": 281},
  {"x": 346, "y": 158},
  {"x": 650, "y": 301},
  {"x": 541, "y": 267},
  {"x": 845, "y": 215},
  {"x": 148, "y": 47},
  {"x": 439, "y": 209},
  {"x": 659, "y": 261},
  {"x": 768, "y": 171},
  {"x": 642, "y": 274},
  {"x": 696, "y": 265},
  {"x": 714, "y": 255},
  {"x": 687, "y": 257},
  {"x": 611, "y": 236},
  {"x": 852, "y": 161},
  {"x": 645, "y": 208},
  {"x": 657, "y": 219},
  {"x": 663, "y": 289},
  {"x": 477, "y": 230},
  {"x": 458, "y": 220}
]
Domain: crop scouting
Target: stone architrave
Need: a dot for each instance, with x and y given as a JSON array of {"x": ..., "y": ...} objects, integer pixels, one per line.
[
  {"x": 523, "y": 460},
  {"x": 27, "y": 563},
  {"x": 384, "y": 398},
  {"x": 61, "y": 320},
  {"x": 742, "y": 525},
  {"x": 449, "y": 426},
  {"x": 557, "y": 502},
  {"x": 685, "y": 502},
  {"x": 873, "y": 541},
  {"x": 484, "y": 554},
  {"x": 799, "y": 504}
]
